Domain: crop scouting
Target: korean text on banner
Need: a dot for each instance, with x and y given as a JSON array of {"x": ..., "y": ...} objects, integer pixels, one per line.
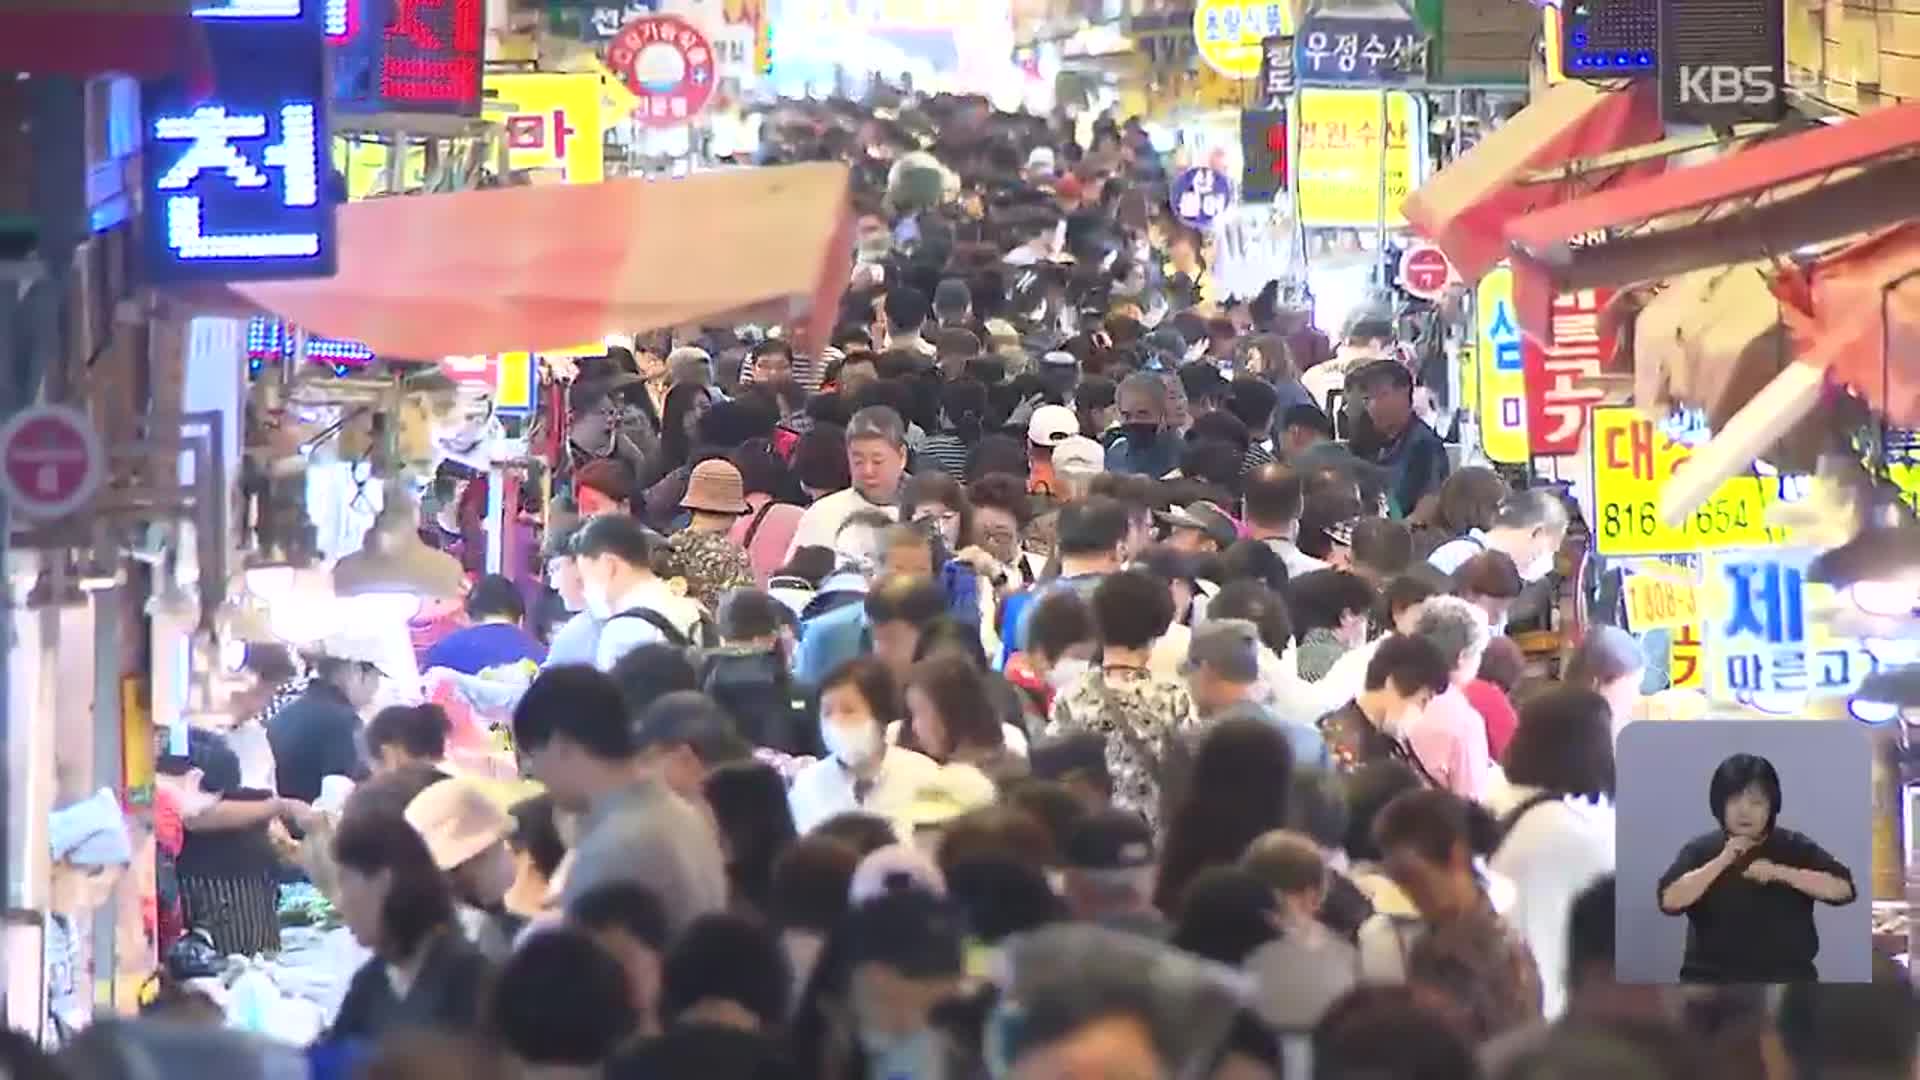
[
  {"x": 1763, "y": 648},
  {"x": 1228, "y": 33},
  {"x": 1683, "y": 659},
  {"x": 1339, "y": 168},
  {"x": 1559, "y": 395},
  {"x": 1660, "y": 598},
  {"x": 1632, "y": 460},
  {"x": 551, "y": 122},
  {"x": 1497, "y": 371}
]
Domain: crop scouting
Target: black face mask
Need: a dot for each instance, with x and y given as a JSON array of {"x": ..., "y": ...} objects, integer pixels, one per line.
[{"x": 1140, "y": 434}]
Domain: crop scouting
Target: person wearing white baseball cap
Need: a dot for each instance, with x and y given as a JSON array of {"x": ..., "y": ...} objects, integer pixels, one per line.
[
  {"x": 318, "y": 734},
  {"x": 1076, "y": 461},
  {"x": 1050, "y": 426}
]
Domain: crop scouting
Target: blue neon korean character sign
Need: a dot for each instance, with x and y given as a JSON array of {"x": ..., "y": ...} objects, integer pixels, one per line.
[
  {"x": 1199, "y": 195},
  {"x": 237, "y": 178}
]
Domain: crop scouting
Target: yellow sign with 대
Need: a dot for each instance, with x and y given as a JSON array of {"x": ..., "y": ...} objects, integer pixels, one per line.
[
  {"x": 1228, "y": 33},
  {"x": 1339, "y": 169},
  {"x": 1632, "y": 460},
  {"x": 550, "y": 122},
  {"x": 1501, "y": 402}
]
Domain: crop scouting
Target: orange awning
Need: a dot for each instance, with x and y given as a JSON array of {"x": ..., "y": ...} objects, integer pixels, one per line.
[
  {"x": 1856, "y": 313},
  {"x": 547, "y": 267},
  {"x": 1465, "y": 205}
]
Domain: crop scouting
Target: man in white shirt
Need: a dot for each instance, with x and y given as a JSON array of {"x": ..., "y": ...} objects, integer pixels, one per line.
[
  {"x": 1274, "y": 497},
  {"x": 634, "y": 606},
  {"x": 1529, "y": 527},
  {"x": 877, "y": 460}
]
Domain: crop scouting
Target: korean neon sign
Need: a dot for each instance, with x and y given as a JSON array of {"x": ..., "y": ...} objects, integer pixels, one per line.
[
  {"x": 234, "y": 176},
  {"x": 407, "y": 55}
]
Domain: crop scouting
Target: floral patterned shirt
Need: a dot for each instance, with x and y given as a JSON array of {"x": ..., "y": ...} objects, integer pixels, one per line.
[
  {"x": 1480, "y": 962},
  {"x": 1140, "y": 716},
  {"x": 710, "y": 564}
]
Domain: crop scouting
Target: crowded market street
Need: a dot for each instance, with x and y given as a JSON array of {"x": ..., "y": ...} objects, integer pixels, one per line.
[{"x": 948, "y": 539}]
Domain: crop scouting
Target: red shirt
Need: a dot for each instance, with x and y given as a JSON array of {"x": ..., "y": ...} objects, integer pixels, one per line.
[{"x": 1491, "y": 703}]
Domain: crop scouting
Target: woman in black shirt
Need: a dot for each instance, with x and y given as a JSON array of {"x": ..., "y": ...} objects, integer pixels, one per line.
[{"x": 1748, "y": 887}]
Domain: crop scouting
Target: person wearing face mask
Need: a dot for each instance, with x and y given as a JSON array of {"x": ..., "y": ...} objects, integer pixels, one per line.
[
  {"x": 466, "y": 832},
  {"x": 860, "y": 772},
  {"x": 1330, "y": 609},
  {"x": 317, "y": 734},
  {"x": 908, "y": 959},
  {"x": 635, "y": 606},
  {"x": 1405, "y": 674},
  {"x": 1146, "y": 445},
  {"x": 1529, "y": 528},
  {"x": 876, "y": 462}
]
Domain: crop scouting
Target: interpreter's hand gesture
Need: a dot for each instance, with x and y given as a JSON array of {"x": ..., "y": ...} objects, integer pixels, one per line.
[
  {"x": 1736, "y": 846},
  {"x": 1764, "y": 871}
]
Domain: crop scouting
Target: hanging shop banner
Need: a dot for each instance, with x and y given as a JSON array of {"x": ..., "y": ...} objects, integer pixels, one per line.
[
  {"x": 668, "y": 64},
  {"x": 1632, "y": 460},
  {"x": 1199, "y": 195},
  {"x": 1360, "y": 52},
  {"x": 1276, "y": 67},
  {"x": 1229, "y": 33},
  {"x": 1339, "y": 170},
  {"x": 1497, "y": 367},
  {"x": 1263, "y": 154},
  {"x": 1660, "y": 597},
  {"x": 551, "y": 122},
  {"x": 1763, "y": 647},
  {"x": 1560, "y": 391},
  {"x": 235, "y": 169},
  {"x": 516, "y": 384}
]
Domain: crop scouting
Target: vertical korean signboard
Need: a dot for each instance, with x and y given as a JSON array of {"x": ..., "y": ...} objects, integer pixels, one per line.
[
  {"x": 1632, "y": 460},
  {"x": 1557, "y": 400},
  {"x": 552, "y": 123},
  {"x": 1340, "y": 156},
  {"x": 1497, "y": 370},
  {"x": 233, "y": 172},
  {"x": 1763, "y": 646}
]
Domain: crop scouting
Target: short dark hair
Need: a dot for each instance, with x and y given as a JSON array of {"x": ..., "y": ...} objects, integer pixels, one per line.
[
  {"x": 726, "y": 958},
  {"x": 865, "y": 833},
  {"x": 1738, "y": 773},
  {"x": 959, "y": 689},
  {"x": 1091, "y": 526},
  {"x": 1322, "y": 599},
  {"x": 1406, "y": 591},
  {"x": 819, "y": 458},
  {"x": 1273, "y": 495},
  {"x": 420, "y": 730},
  {"x": 1371, "y": 328},
  {"x": 1311, "y": 417},
  {"x": 691, "y": 719},
  {"x": 535, "y": 833},
  {"x": 874, "y": 683},
  {"x": 579, "y": 703},
  {"x": 1060, "y": 620},
  {"x": 617, "y": 535},
  {"x": 914, "y": 600},
  {"x": 1255, "y": 561},
  {"x": 1491, "y": 574},
  {"x": 651, "y": 671},
  {"x": 419, "y": 899},
  {"x": 1412, "y": 663},
  {"x": 1317, "y": 805},
  {"x": 624, "y": 906},
  {"x": 1391, "y": 1030},
  {"x": 907, "y": 307},
  {"x": 812, "y": 880},
  {"x": 1564, "y": 743},
  {"x": 1002, "y": 894},
  {"x": 1258, "y": 605},
  {"x": 561, "y": 999},
  {"x": 1286, "y": 861},
  {"x": 495, "y": 596},
  {"x": 1590, "y": 932},
  {"x": 1253, "y": 402},
  {"x": 389, "y": 794},
  {"x": 1002, "y": 491},
  {"x": 1382, "y": 545},
  {"x": 745, "y": 614},
  {"x": 1132, "y": 609},
  {"x": 1433, "y": 822},
  {"x": 1369, "y": 789}
]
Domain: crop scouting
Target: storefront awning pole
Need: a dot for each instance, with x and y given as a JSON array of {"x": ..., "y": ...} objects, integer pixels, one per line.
[{"x": 1386, "y": 139}]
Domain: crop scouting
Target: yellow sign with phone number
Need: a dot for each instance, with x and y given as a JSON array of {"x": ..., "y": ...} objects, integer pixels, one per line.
[{"x": 1632, "y": 460}]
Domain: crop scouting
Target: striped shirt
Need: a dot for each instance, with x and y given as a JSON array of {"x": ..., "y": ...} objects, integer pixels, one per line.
[
  {"x": 807, "y": 371},
  {"x": 946, "y": 453}
]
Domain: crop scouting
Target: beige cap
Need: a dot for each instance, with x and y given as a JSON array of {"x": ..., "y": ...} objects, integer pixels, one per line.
[{"x": 458, "y": 820}]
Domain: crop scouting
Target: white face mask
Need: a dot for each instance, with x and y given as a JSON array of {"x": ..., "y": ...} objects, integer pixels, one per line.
[
  {"x": 599, "y": 604},
  {"x": 1537, "y": 568},
  {"x": 856, "y": 748},
  {"x": 1067, "y": 672}
]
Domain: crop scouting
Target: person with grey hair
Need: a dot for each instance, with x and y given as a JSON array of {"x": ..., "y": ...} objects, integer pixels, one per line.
[
  {"x": 834, "y": 626},
  {"x": 1223, "y": 674},
  {"x": 1148, "y": 445},
  {"x": 1450, "y": 738},
  {"x": 1109, "y": 859},
  {"x": 690, "y": 364},
  {"x": 876, "y": 462},
  {"x": 1529, "y": 528}
]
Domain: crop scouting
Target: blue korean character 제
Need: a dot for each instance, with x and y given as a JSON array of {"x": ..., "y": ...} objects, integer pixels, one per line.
[{"x": 1767, "y": 602}]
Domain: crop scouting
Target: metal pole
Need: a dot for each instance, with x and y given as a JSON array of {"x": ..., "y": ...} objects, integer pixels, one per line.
[
  {"x": 1296, "y": 109},
  {"x": 1380, "y": 222}
]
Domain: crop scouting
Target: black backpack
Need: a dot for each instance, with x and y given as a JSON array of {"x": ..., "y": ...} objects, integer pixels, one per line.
[{"x": 707, "y": 634}]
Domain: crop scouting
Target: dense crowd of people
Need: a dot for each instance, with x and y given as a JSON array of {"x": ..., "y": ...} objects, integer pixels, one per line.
[{"x": 1062, "y": 672}]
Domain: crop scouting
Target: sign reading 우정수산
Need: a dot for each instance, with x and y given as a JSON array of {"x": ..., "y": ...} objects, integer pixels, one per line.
[{"x": 1361, "y": 52}]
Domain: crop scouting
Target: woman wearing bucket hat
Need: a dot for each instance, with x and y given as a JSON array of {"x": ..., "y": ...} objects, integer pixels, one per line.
[
  {"x": 466, "y": 832},
  {"x": 703, "y": 554}
]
